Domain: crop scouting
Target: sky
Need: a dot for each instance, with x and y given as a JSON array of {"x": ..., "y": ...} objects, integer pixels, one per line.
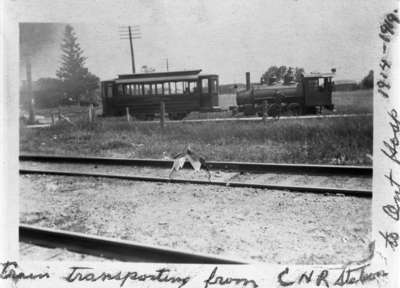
[{"x": 227, "y": 38}]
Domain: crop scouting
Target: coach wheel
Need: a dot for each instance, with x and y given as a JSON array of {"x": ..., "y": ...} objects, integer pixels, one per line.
[
  {"x": 150, "y": 117},
  {"x": 119, "y": 112},
  {"x": 140, "y": 117},
  {"x": 176, "y": 116},
  {"x": 249, "y": 110},
  {"x": 264, "y": 109},
  {"x": 172, "y": 116}
]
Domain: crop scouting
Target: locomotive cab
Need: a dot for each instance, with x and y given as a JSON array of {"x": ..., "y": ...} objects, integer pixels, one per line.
[{"x": 317, "y": 90}]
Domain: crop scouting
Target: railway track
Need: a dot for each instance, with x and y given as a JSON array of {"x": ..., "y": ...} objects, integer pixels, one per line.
[
  {"x": 236, "y": 166},
  {"x": 113, "y": 249},
  {"x": 217, "y": 165}
]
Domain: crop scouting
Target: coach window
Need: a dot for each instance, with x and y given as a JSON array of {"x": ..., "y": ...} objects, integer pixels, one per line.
[
  {"x": 159, "y": 89},
  {"x": 192, "y": 86},
  {"x": 173, "y": 87},
  {"x": 109, "y": 90},
  {"x": 139, "y": 89},
  {"x": 167, "y": 88},
  {"x": 146, "y": 89},
  {"x": 130, "y": 90},
  {"x": 185, "y": 87},
  {"x": 120, "y": 90},
  {"x": 126, "y": 90},
  {"x": 204, "y": 85},
  {"x": 321, "y": 83},
  {"x": 179, "y": 87},
  {"x": 214, "y": 86}
]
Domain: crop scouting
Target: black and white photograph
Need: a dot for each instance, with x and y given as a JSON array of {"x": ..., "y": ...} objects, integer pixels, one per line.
[{"x": 202, "y": 132}]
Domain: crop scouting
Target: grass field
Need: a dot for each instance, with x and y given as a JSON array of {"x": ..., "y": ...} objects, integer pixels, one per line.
[
  {"x": 299, "y": 141},
  {"x": 349, "y": 102},
  {"x": 290, "y": 141}
]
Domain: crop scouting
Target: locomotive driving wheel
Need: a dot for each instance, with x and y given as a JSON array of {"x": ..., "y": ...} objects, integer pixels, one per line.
[
  {"x": 274, "y": 110},
  {"x": 264, "y": 109},
  {"x": 294, "y": 109}
]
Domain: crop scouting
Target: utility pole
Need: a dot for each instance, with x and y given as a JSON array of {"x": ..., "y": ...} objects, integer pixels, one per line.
[
  {"x": 167, "y": 65},
  {"x": 30, "y": 92},
  {"x": 132, "y": 55},
  {"x": 130, "y": 33}
]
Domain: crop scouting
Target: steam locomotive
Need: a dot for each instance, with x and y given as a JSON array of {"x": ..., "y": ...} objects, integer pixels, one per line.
[{"x": 310, "y": 95}]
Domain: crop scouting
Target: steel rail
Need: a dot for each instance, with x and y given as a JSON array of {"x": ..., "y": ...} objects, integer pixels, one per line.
[
  {"x": 306, "y": 189},
  {"x": 218, "y": 165},
  {"x": 114, "y": 249}
]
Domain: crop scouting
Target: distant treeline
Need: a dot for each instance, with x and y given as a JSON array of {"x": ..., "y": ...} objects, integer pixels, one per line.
[{"x": 50, "y": 93}]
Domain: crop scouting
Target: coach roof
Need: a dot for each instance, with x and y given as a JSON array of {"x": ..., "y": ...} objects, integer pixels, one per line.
[
  {"x": 318, "y": 75},
  {"x": 158, "y": 76}
]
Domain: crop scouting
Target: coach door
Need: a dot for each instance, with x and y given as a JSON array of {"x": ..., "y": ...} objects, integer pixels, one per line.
[
  {"x": 107, "y": 97},
  {"x": 209, "y": 91},
  {"x": 204, "y": 92},
  {"x": 213, "y": 83}
]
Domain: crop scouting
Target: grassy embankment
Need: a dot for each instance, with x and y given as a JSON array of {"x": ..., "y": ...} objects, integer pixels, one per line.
[{"x": 288, "y": 141}]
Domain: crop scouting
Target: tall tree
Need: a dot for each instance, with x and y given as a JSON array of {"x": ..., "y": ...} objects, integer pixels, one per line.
[
  {"x": 368, "y": 81},
  {"x": 270, "y": 76},
  {"x": 282, "y": 70},
  {"x": 289, "y": 76},
  {"x": 77, "y": 80},
  {"x": 298, "y": 73},
  {"x": 282, "y": 73}
]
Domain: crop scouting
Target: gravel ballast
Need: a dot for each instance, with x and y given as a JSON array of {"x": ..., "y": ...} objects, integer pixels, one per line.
[{"x": 251, "y": 224}]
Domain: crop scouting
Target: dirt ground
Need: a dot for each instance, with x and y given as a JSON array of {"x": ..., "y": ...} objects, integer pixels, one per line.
[{"x": 250, "y": 224}]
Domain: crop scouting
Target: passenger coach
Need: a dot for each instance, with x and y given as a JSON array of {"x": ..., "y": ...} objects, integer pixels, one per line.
[{"x": 181, "y": 91}]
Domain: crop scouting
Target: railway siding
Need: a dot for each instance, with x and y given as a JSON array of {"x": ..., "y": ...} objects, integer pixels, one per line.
[{"x": 345, "y": 185}]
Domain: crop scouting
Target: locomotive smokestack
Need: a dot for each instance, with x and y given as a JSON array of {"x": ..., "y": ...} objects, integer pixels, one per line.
[{"x": 247, "y": 80}]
